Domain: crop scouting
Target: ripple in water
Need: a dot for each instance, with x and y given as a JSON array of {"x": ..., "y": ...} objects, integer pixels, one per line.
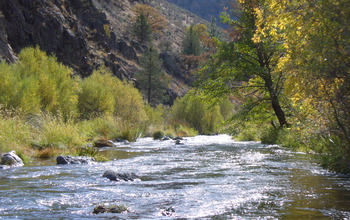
[{"x": 209, "y": 177}]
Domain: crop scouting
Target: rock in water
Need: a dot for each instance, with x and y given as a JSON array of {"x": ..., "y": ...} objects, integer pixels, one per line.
[
  {"x": 11, "y": 159},
  {"x": 114, "y": 176},
  {"x": 112, "y": 209},
  {"x": 74, "y": 160}
]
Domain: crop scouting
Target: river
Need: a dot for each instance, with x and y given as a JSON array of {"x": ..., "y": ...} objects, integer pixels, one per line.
[{"x": 208, "y": 177}]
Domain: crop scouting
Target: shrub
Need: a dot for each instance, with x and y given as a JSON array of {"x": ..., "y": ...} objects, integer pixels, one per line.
[
  {"x": 158, "y": 135},
  {"x": 270, "y": 136},
  {"x": 38, "y": 82},
  {"x": 192, "y": 111},
  {"x": 15, "y": 134},
  {"x": 96, "y": 96},
  {"x": 56, "y": 132}
]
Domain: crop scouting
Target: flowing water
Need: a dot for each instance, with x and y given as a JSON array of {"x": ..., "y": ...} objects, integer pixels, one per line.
[{"x": 208, "y": 177}]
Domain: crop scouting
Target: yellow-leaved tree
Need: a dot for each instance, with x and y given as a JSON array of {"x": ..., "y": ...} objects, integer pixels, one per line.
[{"x": 316, "y": 38}]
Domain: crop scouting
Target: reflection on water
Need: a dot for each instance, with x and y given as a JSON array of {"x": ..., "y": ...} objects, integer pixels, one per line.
[{"x": 209, "y": 177}]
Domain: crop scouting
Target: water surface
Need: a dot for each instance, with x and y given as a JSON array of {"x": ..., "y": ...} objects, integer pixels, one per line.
[{"x": 208, "y": 177}]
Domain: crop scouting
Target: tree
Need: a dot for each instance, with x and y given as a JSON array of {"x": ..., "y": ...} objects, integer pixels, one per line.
[
  {"x": 151, "y": 78},
  {"x": 142, "y": 29},
  {"x": 191, "y": 43},
  {"x": 147, "y": 20},
  {"x": 316, "y": 39},
  {"x": 247, "y": 68}
]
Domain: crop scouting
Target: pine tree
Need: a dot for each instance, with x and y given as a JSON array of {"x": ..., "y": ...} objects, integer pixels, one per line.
[
  {"x": 151, "y": 78},
  {"x": 191, "y": 43},
  {"x": 142, "y": 28}
]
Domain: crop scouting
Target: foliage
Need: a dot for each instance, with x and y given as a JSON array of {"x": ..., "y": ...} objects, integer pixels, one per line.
[
  {"x": 38, "y": 83},
  {"x": 95, "y": 97},
  {"x": 191, "y": 43},
  {"x": 158, "y": 135},
  {"x": 56, "y": 132},
  {"x": 15, "y": 134},
  {"x": 248, "y": 70},
  {"x": 192, "y": 110},
  {"x": 147, "y": 20},
  {"x": 104, "y": 94},
  {"x": 40, "y": 101},
  {"x": 151, "y": 78},
  {"x": 158, "y": 118},
  {"x": 317, "y": 56},
  {"x": 142, "y": 29}
]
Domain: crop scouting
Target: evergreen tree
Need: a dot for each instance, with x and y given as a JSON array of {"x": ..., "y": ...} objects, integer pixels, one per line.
[
  {"x": 142, "y": 28},
  {"x": 191, "y": 43},
  {"x": 151, "y": 78}
]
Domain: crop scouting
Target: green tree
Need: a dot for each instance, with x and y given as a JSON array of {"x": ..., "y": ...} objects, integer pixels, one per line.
[
  {"x": 191, "y": 43},
  {"x": 248, "y": 69},
  {"x": 142, "y": 29},
  {"x": 151, "y": 79}
]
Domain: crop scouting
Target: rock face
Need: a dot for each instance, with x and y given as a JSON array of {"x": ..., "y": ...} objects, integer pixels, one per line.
[
  {"x": 76, "y": 31},
  {"x": 10, "y": 159},
  {"x": 74, "y": 160},
  {"x": 114, "y": 176},
  {"x": 85, "y": 34}
]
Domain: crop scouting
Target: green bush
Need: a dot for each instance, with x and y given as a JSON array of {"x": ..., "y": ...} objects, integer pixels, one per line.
[
  {"x": 193, "y": 111},
  {"x": 15, "y": 134},
  {"x": 37, "y": 82},
  {"x": 57, "y": 132},
  {"x": 270, "y": 136},
  {"x": 96, "y": 95},
  {"x": 158, "y": 135}
]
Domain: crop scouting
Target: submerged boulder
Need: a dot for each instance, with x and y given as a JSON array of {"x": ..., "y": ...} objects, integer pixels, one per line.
[
  {"x": 74, "y": 160},
  {"x": 114, "y": 176},
  {"x": 10, "y": 159}
]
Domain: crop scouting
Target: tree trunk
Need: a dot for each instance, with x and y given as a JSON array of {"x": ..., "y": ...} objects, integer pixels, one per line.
[
  {"x": 275, "y": 102},
  {"x": 149, "y": 87}
]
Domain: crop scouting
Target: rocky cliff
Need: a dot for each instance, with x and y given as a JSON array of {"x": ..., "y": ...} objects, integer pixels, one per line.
[{"x": 85, "y": 34}]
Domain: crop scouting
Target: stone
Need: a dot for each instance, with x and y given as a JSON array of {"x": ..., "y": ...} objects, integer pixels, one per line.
[
  {"x": 11, "y": 159},
  {"x": 112, "y": 209},
  {"x": 104, "y": 143},
  {"x": 74, "y": 160},
  {"x": 168, "y": 211},
  {"x": 114, "y": 176}
]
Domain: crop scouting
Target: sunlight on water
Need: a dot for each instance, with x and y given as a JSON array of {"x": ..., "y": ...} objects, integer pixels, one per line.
[{"x": 206, "y": 177}]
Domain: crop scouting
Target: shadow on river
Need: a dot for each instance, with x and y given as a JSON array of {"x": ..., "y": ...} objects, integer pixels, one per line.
[{"x": 208, "y": 177}]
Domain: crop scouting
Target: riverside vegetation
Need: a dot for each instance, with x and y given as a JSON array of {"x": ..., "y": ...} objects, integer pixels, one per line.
[
  {"x": 46, "y": 111},
  {"x": 283, "y": 63}
]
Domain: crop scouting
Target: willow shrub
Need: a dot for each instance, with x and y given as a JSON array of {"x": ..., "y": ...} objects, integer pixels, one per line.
[
  {"x": 96, "y": 96},
  {"x": 191, "y": 110},
  {"x": 110, "y": 100},
  {"x": 37, "y": 82},
  {"x": 57, "y": 132},
  {"x": 15, "y": 134}
]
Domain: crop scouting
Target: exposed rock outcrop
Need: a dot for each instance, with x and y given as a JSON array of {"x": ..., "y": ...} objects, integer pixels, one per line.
[
  {"x": 74, "y": 30},
  {"x": 85, "y": 34},
  {"x": 10, "y": 159}
]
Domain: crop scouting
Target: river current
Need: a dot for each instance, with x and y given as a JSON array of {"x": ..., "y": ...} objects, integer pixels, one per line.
[{"x": 208, "y": 177}]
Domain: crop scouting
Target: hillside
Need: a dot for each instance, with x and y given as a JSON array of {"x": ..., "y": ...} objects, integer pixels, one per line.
[
  {"x": 85, "y": 34},
  {"x": 204, "y": 8}
]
